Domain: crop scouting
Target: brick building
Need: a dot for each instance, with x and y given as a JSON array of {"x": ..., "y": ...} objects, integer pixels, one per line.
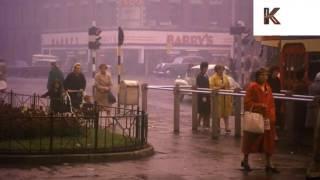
[{"x": 155, "y": 30}]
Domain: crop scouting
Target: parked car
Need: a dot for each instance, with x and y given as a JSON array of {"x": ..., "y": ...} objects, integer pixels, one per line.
[
  {"x": 178, "y": 66},
  {"x": 189, "y": 79},
  {"x": 40, "y": 66},
  {"x": 3, "y": 82}
]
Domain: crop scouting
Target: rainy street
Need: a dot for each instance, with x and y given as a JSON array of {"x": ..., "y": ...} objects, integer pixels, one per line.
[
  {"x": 183, "y": 156},
  {"x": 159, "y": 90}
]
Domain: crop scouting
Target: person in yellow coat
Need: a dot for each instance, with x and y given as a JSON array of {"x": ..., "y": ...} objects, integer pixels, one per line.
[{"x": 220, "y": 81}]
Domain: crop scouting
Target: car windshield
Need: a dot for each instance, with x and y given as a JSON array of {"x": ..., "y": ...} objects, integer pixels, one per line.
[
  {"x": 42, "y": 63},
  {"x": 194, "y": 72},
  {"x": 43, "y": 60},
  {"x": 177, "y": 60}
]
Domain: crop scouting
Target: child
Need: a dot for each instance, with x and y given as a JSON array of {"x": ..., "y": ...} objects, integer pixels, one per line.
[{"x": 88, "y": 110}]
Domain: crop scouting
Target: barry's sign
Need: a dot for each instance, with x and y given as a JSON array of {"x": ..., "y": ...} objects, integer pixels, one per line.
[{"x": 190, "y": 39}]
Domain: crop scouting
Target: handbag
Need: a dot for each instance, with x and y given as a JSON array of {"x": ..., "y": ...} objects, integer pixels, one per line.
[
  {"x": 253, "y": 122},
  {"x": 111, "y": 98}
]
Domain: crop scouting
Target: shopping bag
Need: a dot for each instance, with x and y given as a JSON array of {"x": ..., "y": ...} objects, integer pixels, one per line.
[
  {"x": 111, "y": 98},
  {"x": 253, "y": 122}
]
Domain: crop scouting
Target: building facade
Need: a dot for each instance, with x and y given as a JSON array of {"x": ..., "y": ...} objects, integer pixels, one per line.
[
  {"x": 20, "y": 29},
  {"x": 155, "y": 30}
]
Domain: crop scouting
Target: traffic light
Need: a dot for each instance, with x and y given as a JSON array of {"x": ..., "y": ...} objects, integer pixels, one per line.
[
  {"x": 120, "y": 36},
  {"x": 94, "y": 37}
]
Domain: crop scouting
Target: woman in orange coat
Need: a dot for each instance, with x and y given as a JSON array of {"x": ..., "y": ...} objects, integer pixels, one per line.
[{"x": 259, "y": 99}]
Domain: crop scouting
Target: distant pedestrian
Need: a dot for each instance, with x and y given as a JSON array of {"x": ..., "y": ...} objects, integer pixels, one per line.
[
  {"x": 220, "y": 81},
  {"x": 300, "y": 107},
  {"x": 275, "y": 84},
  {"x": 312, "y": 112},
  {"x": 259, "y": 99},
  {"x": 55, "y": 74},
  {"x": 103, "y": 85},
  {"x": 75, "y": 84},
  {"x": 203, "y": 99}
]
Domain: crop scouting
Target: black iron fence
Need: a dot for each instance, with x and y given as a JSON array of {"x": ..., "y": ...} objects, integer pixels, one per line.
[{"x": 27, "y": 126}]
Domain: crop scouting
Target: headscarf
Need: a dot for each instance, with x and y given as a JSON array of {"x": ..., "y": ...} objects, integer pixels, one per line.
[{"x": 74, "y": 66}]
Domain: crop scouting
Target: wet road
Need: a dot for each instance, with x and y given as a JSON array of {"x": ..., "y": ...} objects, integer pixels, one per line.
[{"x": 183, "y": 156}]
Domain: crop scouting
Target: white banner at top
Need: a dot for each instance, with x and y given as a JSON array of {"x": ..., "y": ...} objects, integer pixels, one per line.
[
  {"x": 286, "y": 18},
  {"x": 134, "y": 37}
]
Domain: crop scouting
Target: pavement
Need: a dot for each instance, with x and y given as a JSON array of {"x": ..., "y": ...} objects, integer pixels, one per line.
[{"x": 184, "y": 156}]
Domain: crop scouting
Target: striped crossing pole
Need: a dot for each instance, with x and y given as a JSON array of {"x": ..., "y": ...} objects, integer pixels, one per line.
[
  {"x": 94, "y": 44},
  {"x": 93, "y": 57},
  {"x": 119, "y": 65},
  {"x": 120, "y": 43}
]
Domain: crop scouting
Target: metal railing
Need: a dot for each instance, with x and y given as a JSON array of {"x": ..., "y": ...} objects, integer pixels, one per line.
[
  {"x": 27, "y": 126},
  {"x": 288, "y": 98},
  {"x": 237, "y": 95}
]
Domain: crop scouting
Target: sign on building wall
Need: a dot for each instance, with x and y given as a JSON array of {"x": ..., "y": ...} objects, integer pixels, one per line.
[{"x": 143, "y": 38}]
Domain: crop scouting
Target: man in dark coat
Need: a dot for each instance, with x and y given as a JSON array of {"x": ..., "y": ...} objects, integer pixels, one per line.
[
  {"x": 55, "y": 74},
  {"x": 75, "y": 84},
  {"x": 275, "y": 84},
  {"x": 202, "y": 81},
  {"x": 300, "y": 108}
]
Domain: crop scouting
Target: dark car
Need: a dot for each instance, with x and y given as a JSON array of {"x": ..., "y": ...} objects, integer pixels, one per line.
[
  {"x": 178, "y": 66},
  {"x": 3, "y": 82}
]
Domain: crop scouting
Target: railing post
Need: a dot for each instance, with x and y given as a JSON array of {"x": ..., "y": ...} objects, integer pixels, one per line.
[
  {"x": 214, "y": 115},
  {"x": 317, "y": 138},
  {"x": 139, "y": 126},
  {"x": 314, "y": 169},
  {"x": 237, "y": 115},
  {"x": 146, "y": 125},
  {"x": 51, "y": 133},
  {"x": 289, "y": 106},
  {"x": 34, "y": 101},
  {"x": 144, "y": 92},
  {"x": 142, "y": 128},
  {"x": 11, "y": 98},
  {"x": 96, "y": 125},
  {"x": 176, "y": 109},
  {"x": 195, "y": 122}
]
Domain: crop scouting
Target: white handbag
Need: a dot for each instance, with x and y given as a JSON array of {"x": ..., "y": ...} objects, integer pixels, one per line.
[{"x": 253, "y": 122}]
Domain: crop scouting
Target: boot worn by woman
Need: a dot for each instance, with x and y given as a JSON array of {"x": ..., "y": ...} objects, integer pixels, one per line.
[
  {"x": 270, "y": 169},
  {"x": 246, "y": 166}
]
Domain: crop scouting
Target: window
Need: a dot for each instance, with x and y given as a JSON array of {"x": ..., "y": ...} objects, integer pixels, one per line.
[
  {"x": 220, "y": 13},
  {"x": 70, "y": 15},
  {"x": 2, "y": 16},
  {"x": 45, "y": 16},
  {"x": 59, "y": 16},
  {"x": 197, "y": 13},
  {"x": 106, "y": 13},
  {"x": 131, "y": 13},
  {"x": 84, "y": 15},
  {"x": 175, "y": 12},
  {"x": 153, "y": 12}
]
